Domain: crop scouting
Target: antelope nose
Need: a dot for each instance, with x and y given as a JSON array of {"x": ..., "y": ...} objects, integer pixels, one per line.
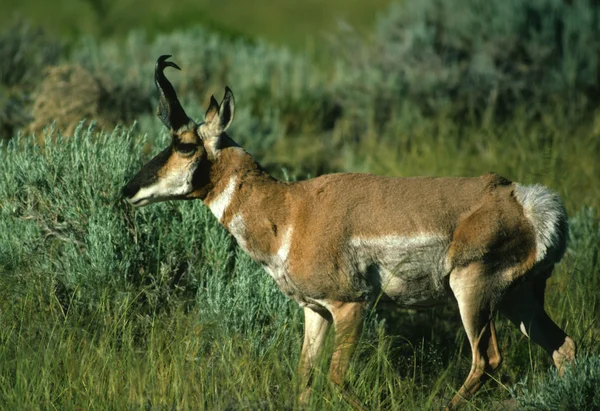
[{"x": 130, "y": 189}]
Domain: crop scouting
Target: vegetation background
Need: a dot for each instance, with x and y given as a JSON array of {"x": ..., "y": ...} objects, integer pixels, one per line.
[{"x": 106, "y": 307}]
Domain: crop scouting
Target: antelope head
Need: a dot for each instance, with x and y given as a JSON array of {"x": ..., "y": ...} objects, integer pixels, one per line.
[{"x": 182, "y": 170}]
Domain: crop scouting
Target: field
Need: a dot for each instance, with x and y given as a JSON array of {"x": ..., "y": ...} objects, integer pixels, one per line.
[
  {"x": 286, "y": 22},
  {"x": 107, "y": 307}
]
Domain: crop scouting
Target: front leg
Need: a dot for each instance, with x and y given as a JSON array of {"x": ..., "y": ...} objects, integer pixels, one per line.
[
  {"x": 316, "y": 324},
  {"x": 348, "y": 322}
]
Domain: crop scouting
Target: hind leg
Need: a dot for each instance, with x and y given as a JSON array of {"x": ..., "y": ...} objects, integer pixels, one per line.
[
  {"x": 524, "y": 307},
  {"x": 475, "y": 296}
]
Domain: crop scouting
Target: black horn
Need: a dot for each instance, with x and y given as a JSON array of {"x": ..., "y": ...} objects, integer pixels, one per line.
[{"x": 169, "y": 108}]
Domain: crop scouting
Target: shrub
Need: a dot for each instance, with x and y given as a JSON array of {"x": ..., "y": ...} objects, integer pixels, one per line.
[
  {"x": 474, "y": 57},
  {"x": 61, "y": 214},
  {"x": 578, "y": 389},
  {"x": 24, "y": 54},
  {"x": 282, "y": 92},
  {"x": 70, "y": 93}
]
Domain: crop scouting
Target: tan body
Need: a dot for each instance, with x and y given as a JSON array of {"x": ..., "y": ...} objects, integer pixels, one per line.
[
  {"x": 355, "y": 237},
  {"x": 338, "y": 243}
]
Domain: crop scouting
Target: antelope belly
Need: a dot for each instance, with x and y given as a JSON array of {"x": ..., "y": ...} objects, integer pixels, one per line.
[{"x": 409, "y": 270}]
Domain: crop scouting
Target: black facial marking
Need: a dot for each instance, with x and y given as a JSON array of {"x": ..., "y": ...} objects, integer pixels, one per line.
[
  {"x": 148, "y": 174},
  {"x": 186, "y": 148},
  {"x": 201, "y": 176}
]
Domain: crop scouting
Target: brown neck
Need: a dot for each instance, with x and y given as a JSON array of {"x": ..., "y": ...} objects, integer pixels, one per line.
[{"x": 248, "y": 202}]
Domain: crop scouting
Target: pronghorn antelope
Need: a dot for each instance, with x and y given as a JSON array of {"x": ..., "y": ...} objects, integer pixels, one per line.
[{"x": 339, "y": 242}]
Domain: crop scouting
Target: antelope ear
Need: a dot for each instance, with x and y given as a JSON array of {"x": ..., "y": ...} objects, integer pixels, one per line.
[
  {"x": 213, "y": 109},
  {"x": 219, "y": 117},
  {"x": 226, "y": 109}
]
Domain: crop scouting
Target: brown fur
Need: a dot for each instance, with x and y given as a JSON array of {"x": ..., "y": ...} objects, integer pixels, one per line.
[{"x": 480, "y": 215}]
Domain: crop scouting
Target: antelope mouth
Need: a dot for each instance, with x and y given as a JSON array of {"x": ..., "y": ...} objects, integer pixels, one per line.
[
  {"x": 138, "y": 201},
  {"x": 141, "y": 201},
  {"x": 135, "y": 196}
]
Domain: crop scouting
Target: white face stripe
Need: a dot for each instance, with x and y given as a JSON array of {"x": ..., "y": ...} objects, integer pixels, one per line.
[
  {"x": 171, "y": 185},
  {"x": 222, "y": 201}
]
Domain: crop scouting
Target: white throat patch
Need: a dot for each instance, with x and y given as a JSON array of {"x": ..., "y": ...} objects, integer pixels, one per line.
[
  {"x": 286, "y": 243},
  {"x": 220, "y": 204},
  {"x": 277, "y": 265}
]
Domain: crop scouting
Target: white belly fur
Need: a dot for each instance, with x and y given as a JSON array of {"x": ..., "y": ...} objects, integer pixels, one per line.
[{"x": 408, "y": 270}]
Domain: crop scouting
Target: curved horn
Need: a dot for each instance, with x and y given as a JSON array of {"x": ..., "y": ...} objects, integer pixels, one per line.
[{"x": 169, "y": 109}]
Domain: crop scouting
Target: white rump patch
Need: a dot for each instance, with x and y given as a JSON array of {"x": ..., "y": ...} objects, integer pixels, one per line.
[
  {"x": 222, "y": 201},
  {"x": 547, "y": 214}
]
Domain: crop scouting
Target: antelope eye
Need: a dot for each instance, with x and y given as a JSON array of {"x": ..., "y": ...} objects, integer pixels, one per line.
[{"x": 185, "y": 148}]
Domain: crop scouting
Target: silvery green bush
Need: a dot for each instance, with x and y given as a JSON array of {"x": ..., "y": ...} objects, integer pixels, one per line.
[
  {"x": 475, "y": 57},
  {"x": 25, "y": 52},
  {"x": 281, "y": 91},
  {"x": 578, "y": 389},
  {"x": 61, "y": 214},
  {"x": 471, "y": 59}
]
